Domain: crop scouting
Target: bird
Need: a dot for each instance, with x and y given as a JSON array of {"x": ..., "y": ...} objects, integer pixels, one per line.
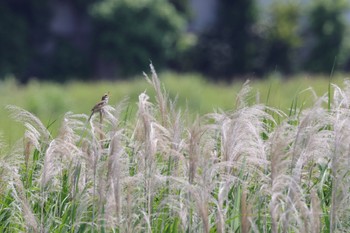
[{"x": 98, "y": 107}]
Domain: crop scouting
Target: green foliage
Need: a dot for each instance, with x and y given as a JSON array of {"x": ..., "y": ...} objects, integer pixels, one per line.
[
  {"x": 229, "y": 47},
  {"x": 283, "y": 36},
  {"x": 23, "y": 30},
  {"x": 108, "y": 38},
  {"x": 124, "y": 34},
  {"x": 14, "y": 34},
  {"x": 132, "y": 33},
  {"x": 67, "y": 60},
  {"x": 327, "y": 28},
  {"x": 182, "y": 6}
]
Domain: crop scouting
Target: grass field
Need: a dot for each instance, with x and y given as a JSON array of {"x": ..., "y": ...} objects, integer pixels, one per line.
[
  {"x": 277, "y": 161},
  {"x": 50, "y": 101}
]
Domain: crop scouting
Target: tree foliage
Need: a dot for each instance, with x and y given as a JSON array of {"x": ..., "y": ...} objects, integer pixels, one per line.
[
  {"x": 282, "y": 36},
  {"x": 125, "y": 34},
  {"x": 229, "y": 46},
  {"x": 327, "y": 30},
  {"x": 119, "y": 37},
  {"x": 133, "y": 32},
  {"x": 22, "y": 23}
]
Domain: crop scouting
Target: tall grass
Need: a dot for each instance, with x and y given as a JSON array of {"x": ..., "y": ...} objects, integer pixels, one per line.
[{"x": 251, "y": 169}]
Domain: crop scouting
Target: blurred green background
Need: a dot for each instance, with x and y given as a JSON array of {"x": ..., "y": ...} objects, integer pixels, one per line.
[
  {"x": 195, "y": 96},
  {"x": 226, "y": 40}
]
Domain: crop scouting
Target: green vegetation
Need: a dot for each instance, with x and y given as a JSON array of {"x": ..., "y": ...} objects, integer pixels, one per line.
[
  {"x": 328, "y": 26},
  {"x": 284, "y": 39},
  {"x": 97, "y": 39},
  {"x": 93, "y": 38},
  {"x": 250, "y": 168},
  {"x": 229, "y": 46},
  {"x": 50, "y": 101},
  {"x": 120, "y": 37}
]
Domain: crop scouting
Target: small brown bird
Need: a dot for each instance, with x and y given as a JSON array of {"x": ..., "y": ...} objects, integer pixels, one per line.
[{"x": 98, "y": 107}]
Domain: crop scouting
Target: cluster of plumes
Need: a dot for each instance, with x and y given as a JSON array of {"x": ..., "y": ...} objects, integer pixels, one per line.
[{"x": 252, "y": 169}]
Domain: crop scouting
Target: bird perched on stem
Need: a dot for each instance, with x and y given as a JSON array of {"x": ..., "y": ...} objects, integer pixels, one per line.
[{"x": 98, "y": 107}]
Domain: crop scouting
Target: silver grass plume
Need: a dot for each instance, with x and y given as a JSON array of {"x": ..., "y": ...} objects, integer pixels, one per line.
[
  {"x": 279, "y": 156},
  {"x": 340, "y": 159},
  {"x": 31, "y": 122},
  {"x": 117, "y": 167},
  {"x": 62, "y": 151},
  {"x": 146, "y": 136},
  {"x": 19, "y": 195},
  {"x": 161, "y": 95}
]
